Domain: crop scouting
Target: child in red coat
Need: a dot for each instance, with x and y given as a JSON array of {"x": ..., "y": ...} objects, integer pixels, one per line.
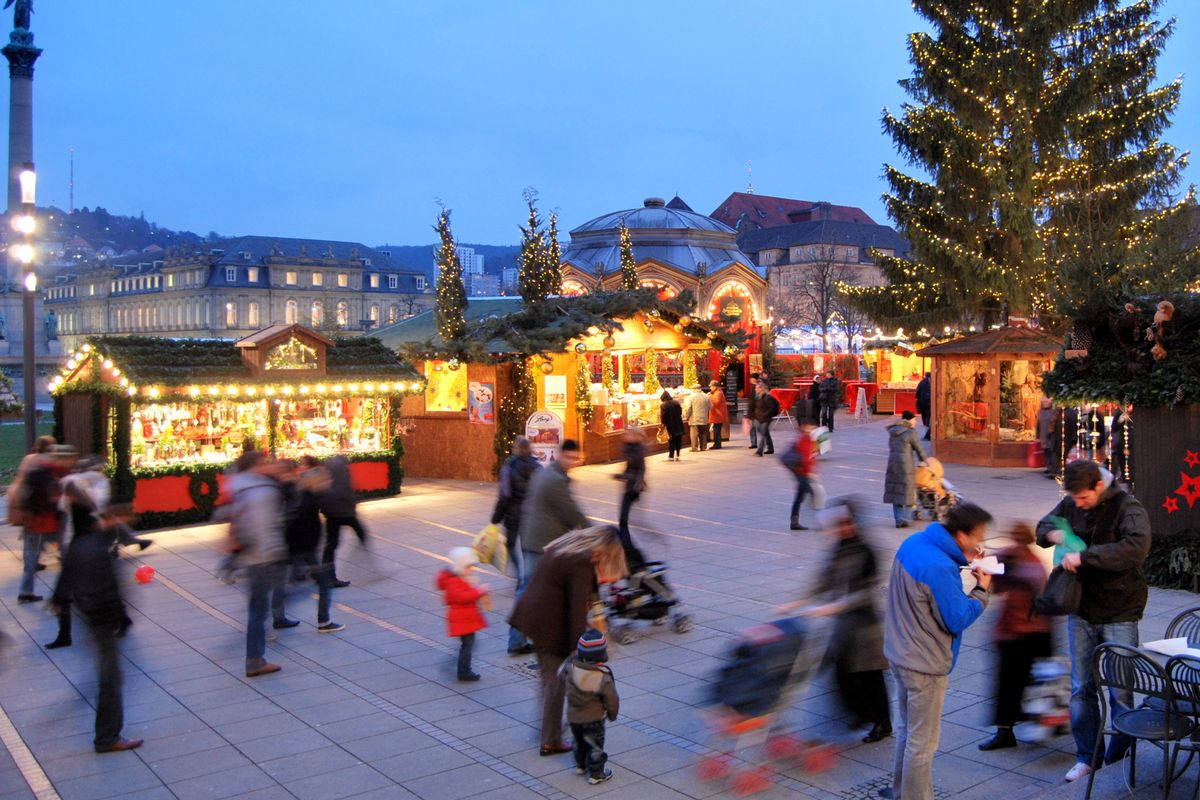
[{"x": 463, "y": 599}]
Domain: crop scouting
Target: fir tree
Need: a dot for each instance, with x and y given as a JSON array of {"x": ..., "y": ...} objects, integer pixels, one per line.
[
  {"x": 1039, "y": 128},
  {"x": 537, "y": 278},
  {"x": 629, "y": 276},
  {"x": 451, "y": 301},
  {"x": 553, "y": 256}
]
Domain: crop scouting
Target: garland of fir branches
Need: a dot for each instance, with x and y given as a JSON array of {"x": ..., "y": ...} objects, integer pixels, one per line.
[
  {"x": 513, "y": 409},
  {"x": 583, "y": 392},
  {"x": 690, "y": 378},
  {"x": 651, "y": 382}
]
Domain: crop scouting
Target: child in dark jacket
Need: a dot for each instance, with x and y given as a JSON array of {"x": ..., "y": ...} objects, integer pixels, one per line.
[
  {"x": 591, "y": 697},
  {"x": 463, "y": 599}
]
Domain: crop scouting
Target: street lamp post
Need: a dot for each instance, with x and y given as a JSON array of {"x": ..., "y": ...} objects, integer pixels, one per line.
[{"x": 25, "y": 225}]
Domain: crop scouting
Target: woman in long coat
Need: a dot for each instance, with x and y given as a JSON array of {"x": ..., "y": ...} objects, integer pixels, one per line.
[
  {"x": 671, "y": 415},
  {"x": 900, "y": 483},
  {"x": 846, "y": 590},
  {"x": 553, "y": 611}
]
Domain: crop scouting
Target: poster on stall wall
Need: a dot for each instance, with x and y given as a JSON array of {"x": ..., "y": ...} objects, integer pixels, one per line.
[
  {"x": 556, "y": 391},
  {"x": 818, "y": 365},
  {"x": 481, "y": 405},
  {"x": 445, "y": 388},
  {"x": 544, "y": 430}
]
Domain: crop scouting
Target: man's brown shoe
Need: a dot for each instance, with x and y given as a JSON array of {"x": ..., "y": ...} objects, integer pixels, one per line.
[
  {"x": 119, "y": 745},
  {"x": 555, "y": 749},
  {"x": 264, "y": 669}
]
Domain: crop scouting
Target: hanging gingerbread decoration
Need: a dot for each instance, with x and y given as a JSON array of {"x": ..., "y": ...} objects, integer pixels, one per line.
[{"x": 1156, "y": 332}]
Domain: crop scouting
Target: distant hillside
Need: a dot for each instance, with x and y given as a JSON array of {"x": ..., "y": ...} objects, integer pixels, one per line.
[
  {"x": 496, "y": 258},
  {"x": 101, "y": 229}
]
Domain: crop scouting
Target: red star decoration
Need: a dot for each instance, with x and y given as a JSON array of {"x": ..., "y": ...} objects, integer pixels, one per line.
[
  {"x": 1189, "y": 489},
  {"x": 1192, "y": 459},
  {"x": 1171, "y": 505}
]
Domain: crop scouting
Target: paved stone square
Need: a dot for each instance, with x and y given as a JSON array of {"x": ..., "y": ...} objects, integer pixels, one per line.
[{"x": 376, "y": 712}]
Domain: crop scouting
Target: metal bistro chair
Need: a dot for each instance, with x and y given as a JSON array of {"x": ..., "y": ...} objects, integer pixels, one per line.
[
  {"x": 1121, "y": 668},
  {"x": 1184, "y": 673},
  {"x": 1185, "y": 626}
]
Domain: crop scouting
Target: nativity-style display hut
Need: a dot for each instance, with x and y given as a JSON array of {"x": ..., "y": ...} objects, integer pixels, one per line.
[
  {"x": 583, "y": 368},
  {"x": 1141, "y": 364},
  {"x": 987, "y": 390},
  {"x": 170, "y": 415}
]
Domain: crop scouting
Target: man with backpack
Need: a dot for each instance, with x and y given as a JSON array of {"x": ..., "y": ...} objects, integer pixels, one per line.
[{"x": 1116, "y": 530}]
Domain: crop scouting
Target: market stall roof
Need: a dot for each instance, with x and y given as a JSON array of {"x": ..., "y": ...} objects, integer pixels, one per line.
[
  {"x": 1009, "y": 339},
  {"x": 423, "y": 326},
  {"x": 157, "y": 361}
]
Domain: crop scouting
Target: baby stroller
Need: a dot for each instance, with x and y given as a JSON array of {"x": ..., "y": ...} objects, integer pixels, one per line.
[
  {"x": 935, "y": 494},
  {"x": 769, "y": 665},
  {"x": 645, "y": 595},
  {"x": 1046, "y": 701}
]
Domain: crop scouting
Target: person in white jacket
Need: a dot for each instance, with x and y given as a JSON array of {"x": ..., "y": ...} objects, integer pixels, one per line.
[{"x": 695, "y": 413}]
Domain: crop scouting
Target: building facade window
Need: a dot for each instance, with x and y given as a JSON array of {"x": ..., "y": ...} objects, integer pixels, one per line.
[
  {"x": 252, "y": 274},
  {"x": 231, "y": 315},
  {"x": 373, "y": 313},
  {"x": 291, "y": 312},
  {"x": 343, "y": 314},
  {"x": 343, "y": 280},
  {"x": 373, "y": 280},
  {"x": 291, "y": 279},
  {"x": 252, "y": 313},
  {"x": 420, "y": 281},
  {"x": 231, "y": 274},
  {"x": 318, "y": 314},
  {"x": 318, "y": 279},
  {"x": 393, "y": 313}
]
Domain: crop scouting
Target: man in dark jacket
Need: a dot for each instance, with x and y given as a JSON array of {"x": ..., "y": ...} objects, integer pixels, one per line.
[
  {"x": 752, "y": 410},
  {"x": 925, "y": 402},
  {"x": 1116, "y": 530},
  {"x": 515, "y": 474},
  {"x": 766, "y": 408},
  {"x": 89, "y": 579},
  {"x": 670, "y": 413},
  {"x": 550, "y": 510},
  {"x": 831, "y": 398},
  {"x": 340, "y": 506}
]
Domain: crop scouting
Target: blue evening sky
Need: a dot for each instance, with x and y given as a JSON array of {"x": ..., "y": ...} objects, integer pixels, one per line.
[{"x": 349, "y": 120}]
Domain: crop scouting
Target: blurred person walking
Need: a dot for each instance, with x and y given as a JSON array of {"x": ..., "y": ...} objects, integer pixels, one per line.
[
  {"x": 340, "y": 506},
  {"x": 554, "y": 612},
  {"x": 515, "y": 476},
  {"x": 550, "y": 508},
  {"x": 718, "y": 415},
  {"x": 633, "y": 479},
  {"x": 846, "y": 590},
  {"x": 766, "y": 408},
  {"x": 900, "y": 480},
  {"x": 303, "y": 536},
  {"x": 670, "y": 413},
  {"x": 927, "y": 612},
  {"x": 42, "y": 518},
  {"x": 1021, "y": 636}
]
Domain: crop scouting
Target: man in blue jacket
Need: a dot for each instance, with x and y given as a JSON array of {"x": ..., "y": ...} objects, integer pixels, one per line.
[{"x": 927, "y": 613}]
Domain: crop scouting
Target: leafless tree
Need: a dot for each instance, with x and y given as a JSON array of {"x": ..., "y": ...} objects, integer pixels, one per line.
[{"x": 809, "y": 295}]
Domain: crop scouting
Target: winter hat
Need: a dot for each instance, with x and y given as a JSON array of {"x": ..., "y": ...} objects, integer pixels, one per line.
[
  {"x": 593, "y": 646},
  {"x": 462, "y": 559}
]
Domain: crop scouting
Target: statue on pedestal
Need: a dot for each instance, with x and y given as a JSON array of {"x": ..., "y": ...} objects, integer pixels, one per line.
[
  {"x": 3, "y": 327},
  {"x": 51, "y": 323},
  {"x": 21, "y": 14}
]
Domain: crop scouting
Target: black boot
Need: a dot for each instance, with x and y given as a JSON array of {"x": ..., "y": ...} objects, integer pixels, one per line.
[
  {"x": 796, "y": 526},
  {"x": 880, "y": 730},
  {"x": 1003, "y": 739}
]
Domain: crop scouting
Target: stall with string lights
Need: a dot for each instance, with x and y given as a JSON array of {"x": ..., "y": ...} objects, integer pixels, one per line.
[
  {"x": 170, "y": 415},
  {"x": 986, "y": 393}
]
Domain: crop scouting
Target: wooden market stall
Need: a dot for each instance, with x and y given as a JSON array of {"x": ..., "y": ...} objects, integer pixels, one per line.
[
  {"x": 600, "y": 364},
  {"x": 987, "y": 388},
  {"x": 170, "y": 415}
]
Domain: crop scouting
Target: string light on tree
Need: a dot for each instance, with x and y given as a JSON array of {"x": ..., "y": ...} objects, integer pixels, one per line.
[
  {"x": 451, "y": 300},
  {"x": 629, "y": 276}
]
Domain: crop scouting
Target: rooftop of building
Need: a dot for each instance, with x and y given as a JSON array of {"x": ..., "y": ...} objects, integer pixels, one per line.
[
  {"x": 744, "y": 211},
  {"x": 827, "y": 232}
]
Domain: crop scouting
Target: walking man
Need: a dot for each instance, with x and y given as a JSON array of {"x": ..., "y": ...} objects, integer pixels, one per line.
[
  {"x": 340, "y": 505},
  {"x": 766, "y": 408},
  {"x": 515, "y": 474},
  {"x": 925, "y": 403},
  {"x": 752, "y": 410},
  {"x": 927, "y": 613},
  {"x": 718, "y": 415},
  {"x": 831, "y": 398},
  {"x": 550, "y": 510},
  {"x": 695, "y": 413},
  {"x": 1116, "y": 530}
]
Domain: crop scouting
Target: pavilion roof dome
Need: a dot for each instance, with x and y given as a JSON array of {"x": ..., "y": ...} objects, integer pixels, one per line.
[{"x": 655, "y": 214}]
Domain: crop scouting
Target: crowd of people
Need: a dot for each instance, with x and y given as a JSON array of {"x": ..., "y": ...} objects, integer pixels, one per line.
[{"x": 284, "y": 520}]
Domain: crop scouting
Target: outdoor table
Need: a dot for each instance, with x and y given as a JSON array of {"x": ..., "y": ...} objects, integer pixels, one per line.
[{"x": 787, "y": 398}]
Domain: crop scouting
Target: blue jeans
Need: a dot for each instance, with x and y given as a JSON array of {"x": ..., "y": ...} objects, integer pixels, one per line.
[
  {"x": 1082, "y": 639},
  {"x": 266, "y": 591},
  {"x": 466, "y": 642},
  {"x": 764, "y": 436},
  {"x": 803, "y": 488},
  {"x": 306, "y": 565},
  {"x": 525, "y": 568},
  {"x": 900, "y": 513},
  {"x": 31, "y": 546}
]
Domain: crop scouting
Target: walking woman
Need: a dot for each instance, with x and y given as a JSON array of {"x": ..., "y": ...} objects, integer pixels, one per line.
[
  {"x": 553, "y": 611},
  {"x": 634, "y": 479},
  {"x": 846, "y": 591},
  {"x": 900, "y": 482},
  {"x": 670, "y": 413}
]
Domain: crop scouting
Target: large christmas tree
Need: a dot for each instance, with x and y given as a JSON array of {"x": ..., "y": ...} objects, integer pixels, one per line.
[
  {"x": 1038, "y": 127},
  {"x": 539, "y": 273},
  {"x": 451, "y": 300}
]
